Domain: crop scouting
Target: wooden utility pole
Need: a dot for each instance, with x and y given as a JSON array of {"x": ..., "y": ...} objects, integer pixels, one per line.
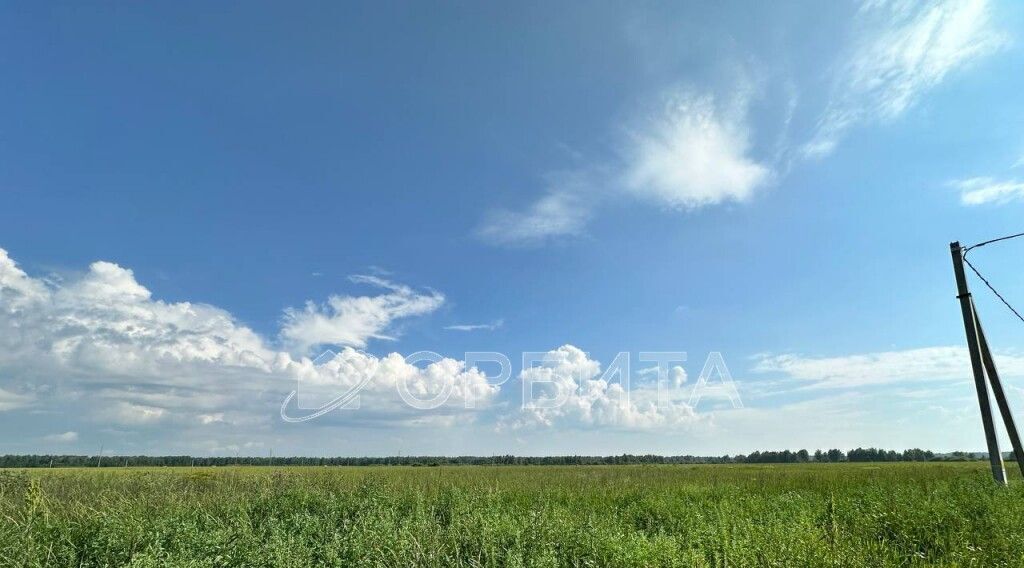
[{"x": 982, "y": 363}]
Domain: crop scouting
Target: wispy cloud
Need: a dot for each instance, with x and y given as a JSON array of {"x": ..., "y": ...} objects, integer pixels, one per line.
[
  {"x": 563, "y": 211},
  {"x": 986, "y": 190},
  {"x": 901, "y": 49},
  {"x": 691, "y": 152},
  {"x": 12, "y": 400},
  {"x": 889, "y": 367},
  {"x": 64, "y": 438},
  {"x": 353, "y": 320},
  {"x": 698, "y": 149},
  {"x": 496, "y": 324}
]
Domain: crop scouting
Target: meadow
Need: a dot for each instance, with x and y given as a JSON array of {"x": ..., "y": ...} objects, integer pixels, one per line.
[{"x": 898, "y": 514}]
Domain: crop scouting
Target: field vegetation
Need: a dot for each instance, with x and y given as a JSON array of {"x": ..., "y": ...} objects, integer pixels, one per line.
[{"x": 850, "y": 514}]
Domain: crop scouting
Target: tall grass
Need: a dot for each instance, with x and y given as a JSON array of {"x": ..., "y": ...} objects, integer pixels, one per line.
[{"x": 735, "y": 515}]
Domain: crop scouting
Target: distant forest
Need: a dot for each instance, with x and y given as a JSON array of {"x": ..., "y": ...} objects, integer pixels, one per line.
[{"x": 787, "y": 456}]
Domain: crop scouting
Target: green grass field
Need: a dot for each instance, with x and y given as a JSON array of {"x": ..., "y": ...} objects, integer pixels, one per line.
[{"x": 705, "y": 515}]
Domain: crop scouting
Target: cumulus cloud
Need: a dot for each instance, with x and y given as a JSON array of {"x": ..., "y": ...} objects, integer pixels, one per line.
[
  {"x": 890, "y": 367},
  {"x": 694, "y": 154},
  {"x": 901, "y": 49},
  {"x": 567, "y": 388},
  {"x": 102, "y": 343},
  {"x": 986, "y": 190},
  {"x": 676, "y": 375},
  {"x": 16, "y": 288},
  {"x": 353, "y": 320},
  {"x": 322, "y": 381}
]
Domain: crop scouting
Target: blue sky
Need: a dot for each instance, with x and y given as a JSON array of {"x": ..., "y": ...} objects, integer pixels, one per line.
[{"x": 197, "y": 200}]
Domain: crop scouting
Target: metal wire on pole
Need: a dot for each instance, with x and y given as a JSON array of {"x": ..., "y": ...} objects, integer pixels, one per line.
[
  {"x": 981, "y": 244},
  {"x": 994, "y": 291},
  {"x": 985, "y": 280}
]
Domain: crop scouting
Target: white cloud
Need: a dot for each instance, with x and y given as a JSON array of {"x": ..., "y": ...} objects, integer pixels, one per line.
[
  {"x": 129, "y": 414},
  {"x": 497, "y": 324},
  {"x": 699, "y": 151},
  {"x": 563, "y": 211},
  {"x": 901, "y": 49},
  {"x": 985, "y": 190},
  {"x": 319, "y": 383},
  {"x": 694, "y": 154},
  {"x": 64, "y": 438},
  {"x": 101, "y": 343},
  {"x": 676, "y": 375},
  {"x": 215, "y": 418},
  {"x": 16, "y": 288},
  {"x": 352, "y": 320},
  {"x": 12, "y": 400},
  {"x": 568, "y": 390},
  {"x": 890, "y": 367}
]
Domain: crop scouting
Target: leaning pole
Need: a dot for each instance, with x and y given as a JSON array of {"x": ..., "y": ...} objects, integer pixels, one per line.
[{"x": 984, "y": 368}]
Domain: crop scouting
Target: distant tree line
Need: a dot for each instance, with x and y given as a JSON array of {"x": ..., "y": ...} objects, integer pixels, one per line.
[
  {"x": 836, "y": 455},
  {"x": 785, "y": 456}
]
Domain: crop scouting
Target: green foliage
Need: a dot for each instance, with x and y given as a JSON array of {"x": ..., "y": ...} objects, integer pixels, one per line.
[
  {"x": 785, "y": 456},
  {"x": 850, "y": 514}
]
